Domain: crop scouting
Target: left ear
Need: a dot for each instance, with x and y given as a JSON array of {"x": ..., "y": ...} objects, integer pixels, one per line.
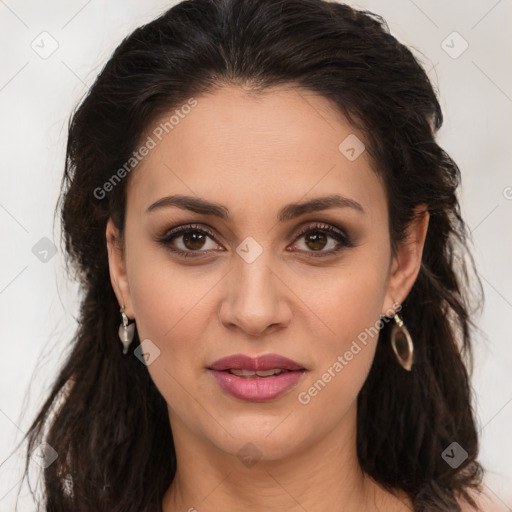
[{"x": 406, "y": 262}]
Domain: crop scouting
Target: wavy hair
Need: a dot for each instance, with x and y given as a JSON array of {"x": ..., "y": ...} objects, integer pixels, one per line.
[{"x": 104, "y": 415}]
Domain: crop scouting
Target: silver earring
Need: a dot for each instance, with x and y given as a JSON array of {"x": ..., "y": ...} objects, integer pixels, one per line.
[
  {"x": 126, "y": 331},
  {"x": 402, "y": 344}
]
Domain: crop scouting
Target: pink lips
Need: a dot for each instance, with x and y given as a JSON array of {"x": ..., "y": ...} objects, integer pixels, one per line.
[{"x": 254, "y": 388}]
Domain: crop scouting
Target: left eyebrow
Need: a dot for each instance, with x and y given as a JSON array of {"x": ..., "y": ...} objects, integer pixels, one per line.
[
  {"x": 293, "y": 210},
  {"x": 288, "y": 212}
]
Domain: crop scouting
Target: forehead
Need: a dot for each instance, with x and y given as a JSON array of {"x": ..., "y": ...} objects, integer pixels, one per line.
[{"x": 241, "y": 149}]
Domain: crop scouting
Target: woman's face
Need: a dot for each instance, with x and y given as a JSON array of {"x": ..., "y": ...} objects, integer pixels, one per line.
[{"x": 250, "y": 283}]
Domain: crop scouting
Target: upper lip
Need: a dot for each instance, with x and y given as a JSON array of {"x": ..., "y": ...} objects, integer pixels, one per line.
[{"x": 255, "y": 363}]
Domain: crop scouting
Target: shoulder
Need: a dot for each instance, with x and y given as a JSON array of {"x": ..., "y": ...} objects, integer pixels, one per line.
[
  {"x": 465, "y": 506},
  {"x": 483, "y": 502}
]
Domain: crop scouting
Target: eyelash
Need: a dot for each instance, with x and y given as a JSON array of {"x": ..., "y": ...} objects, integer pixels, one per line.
[{"x": 334, "y": 233}]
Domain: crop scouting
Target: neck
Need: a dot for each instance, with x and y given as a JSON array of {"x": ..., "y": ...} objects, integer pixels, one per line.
[{"x": 325, "y": 475}]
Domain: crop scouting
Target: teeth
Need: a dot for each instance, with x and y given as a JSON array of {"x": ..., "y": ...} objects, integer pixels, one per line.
[
  {"x": 259, "y": 373},
  {"x": 267, "y": 373}
]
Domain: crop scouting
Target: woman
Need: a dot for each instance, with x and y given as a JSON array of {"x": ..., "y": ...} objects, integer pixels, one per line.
[{"x": 275, "y": 312}]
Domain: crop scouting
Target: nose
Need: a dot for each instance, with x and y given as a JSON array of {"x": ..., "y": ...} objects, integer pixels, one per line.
[{"x": 255, "y": 299}]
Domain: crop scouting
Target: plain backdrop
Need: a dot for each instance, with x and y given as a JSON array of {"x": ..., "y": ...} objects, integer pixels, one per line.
[{"x": 50, "y": 54}]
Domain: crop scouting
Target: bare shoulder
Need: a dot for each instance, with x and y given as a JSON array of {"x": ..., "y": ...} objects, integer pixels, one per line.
[
  {"x": 485, "y": 504},
  {"x": 397, "y": 501},
  {"x": 465, "y": 506}
]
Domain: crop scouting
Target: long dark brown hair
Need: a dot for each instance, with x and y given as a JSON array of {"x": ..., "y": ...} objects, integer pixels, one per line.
[{"x": 104, "y": 416}]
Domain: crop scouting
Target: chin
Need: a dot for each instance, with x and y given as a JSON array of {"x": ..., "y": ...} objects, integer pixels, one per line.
[{"x": 260, "y": 438}]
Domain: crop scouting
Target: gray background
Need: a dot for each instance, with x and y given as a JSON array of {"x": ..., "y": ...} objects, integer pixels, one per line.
[{"x": 39, "y": 91}]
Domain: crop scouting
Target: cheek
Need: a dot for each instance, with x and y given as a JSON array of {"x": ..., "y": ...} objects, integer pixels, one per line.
[
  {"x": 169, "y": 304},
  {"x": 173, "y": 308},
  {"x": 170, "y": 311},
  {"x": 349, "y": 305},
  {"x": 164, "y": 295}
]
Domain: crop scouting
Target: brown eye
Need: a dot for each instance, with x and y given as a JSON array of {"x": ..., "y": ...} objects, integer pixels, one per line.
[
  {"x": 316, "y": 240},
  {"x": 188, "y": 240},
  {"x": 194, "y": 240},
  {"x": 318, "y": 237}
]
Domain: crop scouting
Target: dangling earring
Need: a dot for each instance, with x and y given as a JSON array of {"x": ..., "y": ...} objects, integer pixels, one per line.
[
  {"x": 402, "y": 344},
  {"x": 126, "y": 331}
]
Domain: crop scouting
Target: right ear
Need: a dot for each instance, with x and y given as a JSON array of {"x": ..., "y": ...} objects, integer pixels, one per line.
[{"x": 117, "y": 267}]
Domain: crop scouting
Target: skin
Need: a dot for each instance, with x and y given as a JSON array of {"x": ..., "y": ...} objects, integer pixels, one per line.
[{"x": 254, "y": 155}]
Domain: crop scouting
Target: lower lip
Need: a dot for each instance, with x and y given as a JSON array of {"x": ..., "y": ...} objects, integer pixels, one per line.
[{"x": 257, "y": 389}]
